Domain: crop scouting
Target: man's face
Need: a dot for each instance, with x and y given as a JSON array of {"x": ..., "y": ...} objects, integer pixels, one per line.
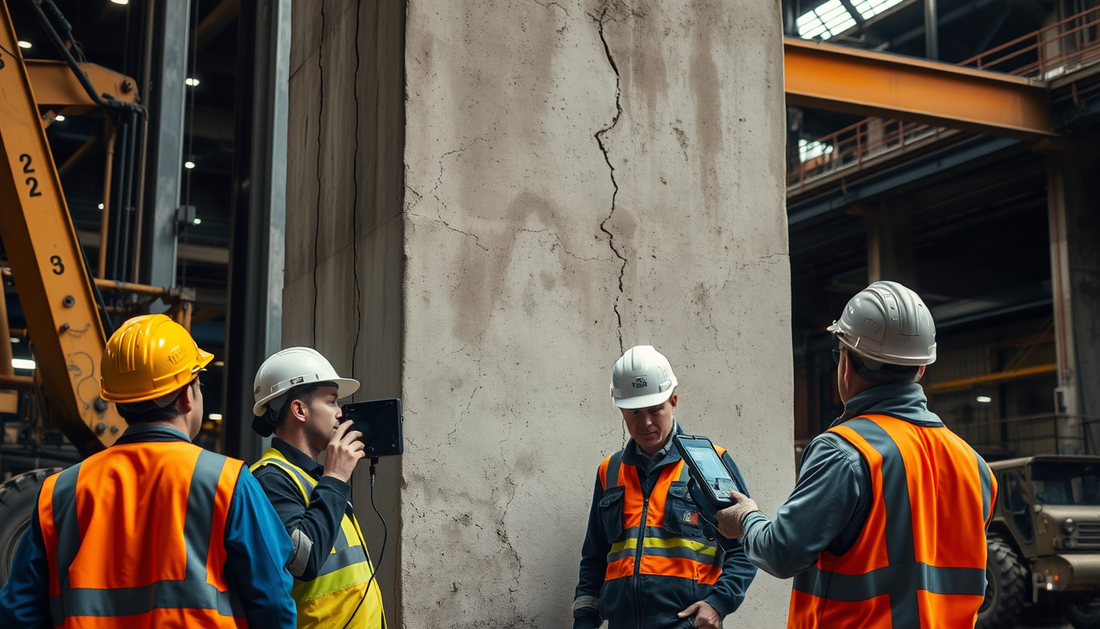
[
  {"x": 322, "y": 417},
  {"x": 650, "y": 427}
]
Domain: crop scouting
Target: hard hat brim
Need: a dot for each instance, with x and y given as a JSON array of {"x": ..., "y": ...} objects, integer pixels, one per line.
[
  {"x": 344, "y": 388},
  {"x": 644, "y": 401}
]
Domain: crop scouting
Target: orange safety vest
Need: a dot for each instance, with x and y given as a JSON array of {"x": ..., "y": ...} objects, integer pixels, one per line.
[
  {"x": 645, "y": 545},
  {"x": 134, "y": 538},
  {"x": 919, "y": 561}
]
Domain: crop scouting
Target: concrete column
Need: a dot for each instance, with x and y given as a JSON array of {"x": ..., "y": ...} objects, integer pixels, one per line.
[
  {"x": 1075, "y": 269},
  {"x": 487, "y": 202}
]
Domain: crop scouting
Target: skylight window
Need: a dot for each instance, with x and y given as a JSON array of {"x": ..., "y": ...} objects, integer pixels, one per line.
[{"x": 831, "y": 18}]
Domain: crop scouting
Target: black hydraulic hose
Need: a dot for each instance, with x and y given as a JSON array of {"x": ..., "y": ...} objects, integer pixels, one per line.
[
  {"x": 127, "y": 197},
  {"x": 121, "y": 156},
  {"x": 110, "y": 103}
]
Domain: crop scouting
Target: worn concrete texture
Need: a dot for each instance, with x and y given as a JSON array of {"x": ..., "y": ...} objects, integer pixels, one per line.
[{"x": 551, "y": 183}]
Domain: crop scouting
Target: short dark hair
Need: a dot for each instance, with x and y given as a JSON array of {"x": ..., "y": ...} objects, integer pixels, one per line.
[
  {"x": 885, "y": 374},
  {"x": 148, "y": 411},
  {"x": 304, "y": 393}
]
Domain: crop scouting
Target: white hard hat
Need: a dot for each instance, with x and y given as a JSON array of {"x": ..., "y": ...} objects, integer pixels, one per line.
[
  {"x": 294, "y": 367},
  {"x": 888, "y": 323},
  {"x": 642, "y": 377}
]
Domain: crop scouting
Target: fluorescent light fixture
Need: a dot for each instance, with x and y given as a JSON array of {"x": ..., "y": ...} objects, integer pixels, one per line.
[
  {"x": 25, "y": 44},
  {"x": 197, "y": 221},
  {"x": 984, "y": 399},
  {"x": 217, "y": 417},
  {"x": 121, "y": 1},
  {"x": 218, "y": 363},
  {"x": 189, "y": 164},
  {"x": 22, "y": 363},
  {"x": 191, "y": 82},
  {"x": 15, "y": 339},
  {"x": 101, "y": 206}
]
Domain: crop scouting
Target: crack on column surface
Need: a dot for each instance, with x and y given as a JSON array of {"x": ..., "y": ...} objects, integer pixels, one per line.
[
  {"x": 477, "y": 240},
  {"x": 554, "y": 245},
  {"x": 320, "y": 127},
  {"x": 470, "y": 402},
  {"x": 611, "y": 168},
  {"x": 548, "y": 5}
]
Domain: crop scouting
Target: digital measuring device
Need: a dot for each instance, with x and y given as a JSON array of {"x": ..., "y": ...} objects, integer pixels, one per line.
[{"x": 711, "y": 481}]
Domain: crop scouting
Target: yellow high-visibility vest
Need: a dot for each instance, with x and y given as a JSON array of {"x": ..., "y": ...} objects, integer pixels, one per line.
[{"x": 329, "y": 599}]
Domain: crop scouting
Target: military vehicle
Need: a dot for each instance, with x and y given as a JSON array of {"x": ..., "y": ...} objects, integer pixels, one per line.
[{"x": 1044, "y": 541}]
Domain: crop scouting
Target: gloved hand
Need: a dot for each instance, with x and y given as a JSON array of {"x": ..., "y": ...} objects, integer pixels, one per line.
[{"x": 731, "y": 518}]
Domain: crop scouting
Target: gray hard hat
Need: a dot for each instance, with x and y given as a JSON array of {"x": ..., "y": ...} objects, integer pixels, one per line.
[{"x": 888, "y": 323}]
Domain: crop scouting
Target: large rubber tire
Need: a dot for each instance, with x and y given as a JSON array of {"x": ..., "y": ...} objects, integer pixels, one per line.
[
  {"x": 18, "y": 497},
  {"x": 1006, "y": 587},
  {"x": 1084, "y": 615}
]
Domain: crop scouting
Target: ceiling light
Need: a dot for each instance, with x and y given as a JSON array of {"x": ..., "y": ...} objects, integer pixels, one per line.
[
  {"x": 984, "y": 399},
  {"x": 15, "y": 339},
  {"x": 189, "y": 164},
  {"x": 217, "y": 417},
  {"x": 25, "y": 44},
  {"x": 121, "y": 1},
  {"x": 59, "y": 118},
  {"x": 197, "y": 221},
  {"x": 101, "y": 206},
  {"x": 218, "y": 363},
  {"x": 191, "y": 82},
  {"x": 22, "y": 363}
]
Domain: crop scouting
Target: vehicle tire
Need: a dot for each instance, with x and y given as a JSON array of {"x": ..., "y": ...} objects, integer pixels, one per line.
[
  {"x": 18, "y": 497},
  {"x": 1005, "y": 589},
  {"x": 1084, "y": 615}
]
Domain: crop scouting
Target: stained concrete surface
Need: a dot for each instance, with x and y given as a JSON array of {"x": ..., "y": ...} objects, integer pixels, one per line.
[{"x": 483, "y": 213}]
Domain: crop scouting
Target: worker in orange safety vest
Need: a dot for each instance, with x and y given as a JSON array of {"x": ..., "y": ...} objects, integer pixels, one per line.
[
  {"x": 886, "y": 526},
  {"x": 153, "y": 531}
]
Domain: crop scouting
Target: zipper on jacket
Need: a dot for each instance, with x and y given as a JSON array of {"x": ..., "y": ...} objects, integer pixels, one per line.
[{"x": 638, "y": 562}]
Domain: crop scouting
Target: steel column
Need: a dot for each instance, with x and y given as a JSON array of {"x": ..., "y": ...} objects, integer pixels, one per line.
[
  {"x": 257, "y": 241},
  {"x": 167, "y": 128}
]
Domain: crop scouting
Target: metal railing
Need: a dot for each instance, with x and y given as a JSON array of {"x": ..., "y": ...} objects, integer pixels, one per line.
[
  {"x": 1048, "y": 53},
  {"x": 1029, "y": 435}
]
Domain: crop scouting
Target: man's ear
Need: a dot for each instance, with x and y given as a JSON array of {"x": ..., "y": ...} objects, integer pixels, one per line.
[
  {"x": 297, "y": 410},
  {"x": 186, "y": 400},
  {"x": 920, "y": 373}
]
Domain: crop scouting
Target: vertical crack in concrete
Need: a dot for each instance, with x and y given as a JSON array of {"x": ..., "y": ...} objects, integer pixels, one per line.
[
  {"x": 607, "y": 158},
  {"x": 355, "y": 202},
  {"x": 320, "y": 125}
]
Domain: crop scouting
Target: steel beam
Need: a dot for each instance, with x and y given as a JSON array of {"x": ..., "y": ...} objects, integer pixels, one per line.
[{"x": 837, "y": 78}]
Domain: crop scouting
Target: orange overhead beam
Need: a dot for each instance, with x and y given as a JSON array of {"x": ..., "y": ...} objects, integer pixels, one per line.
[{"x": 838, "y": 78}]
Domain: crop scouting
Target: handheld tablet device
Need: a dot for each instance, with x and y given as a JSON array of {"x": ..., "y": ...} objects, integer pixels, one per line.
[
  {"x": 711, "y": 481},
  {"x": 380, "y": 423}
]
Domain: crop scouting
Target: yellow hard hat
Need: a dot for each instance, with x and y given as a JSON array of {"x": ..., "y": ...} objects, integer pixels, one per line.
[{"x": 148, "y": 357}]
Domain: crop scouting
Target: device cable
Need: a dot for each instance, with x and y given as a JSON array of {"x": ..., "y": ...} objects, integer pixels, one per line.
[{"x": 381, "y": 553}]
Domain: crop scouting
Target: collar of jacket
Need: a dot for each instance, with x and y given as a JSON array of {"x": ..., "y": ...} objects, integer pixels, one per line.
[
  {"x": 633, "y": 456},
  {"x": 903, "y": 400},
  {"x": 144, "y": 433},
  {"x": 298, "y": 458}
]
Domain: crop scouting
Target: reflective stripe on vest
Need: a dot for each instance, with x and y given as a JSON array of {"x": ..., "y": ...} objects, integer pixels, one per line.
[
  {"x": 903, "y": 571},
  {"x": 661, "y": 552},
  {"x": 133, "y": 520},
  {"x": 341, "y": 580}
]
